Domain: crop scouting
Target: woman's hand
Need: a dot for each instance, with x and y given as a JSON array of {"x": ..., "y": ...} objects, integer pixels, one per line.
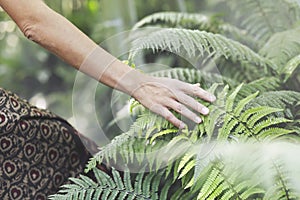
[
  {"x": 157, "y": 94},
  {"x": 162, "y": 94}
]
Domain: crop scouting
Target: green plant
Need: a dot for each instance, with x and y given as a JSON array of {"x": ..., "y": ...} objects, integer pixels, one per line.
[{"x": 257, "y": 106}]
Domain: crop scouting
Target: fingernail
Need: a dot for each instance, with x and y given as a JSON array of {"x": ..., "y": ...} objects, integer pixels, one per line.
[
  {"x": 212, "y": 98},
  {"x": 198, "y": 120},
  {"x": 182, "y": 126},
  {"x": 205, "y": 111}
]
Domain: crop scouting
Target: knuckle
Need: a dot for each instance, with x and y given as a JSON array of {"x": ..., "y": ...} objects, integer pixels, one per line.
[
  {"x": 169, "y": 116},
  {"x": 179, "y": 108}
]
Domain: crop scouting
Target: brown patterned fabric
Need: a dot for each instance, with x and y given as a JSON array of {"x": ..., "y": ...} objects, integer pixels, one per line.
[{"x": 39, "y": 151}]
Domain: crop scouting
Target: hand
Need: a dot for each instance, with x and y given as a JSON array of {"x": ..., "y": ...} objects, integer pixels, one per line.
[{"x": 162, "y": 94}]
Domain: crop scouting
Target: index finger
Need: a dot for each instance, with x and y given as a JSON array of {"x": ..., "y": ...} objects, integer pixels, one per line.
[{"x": 196, "y": 90}]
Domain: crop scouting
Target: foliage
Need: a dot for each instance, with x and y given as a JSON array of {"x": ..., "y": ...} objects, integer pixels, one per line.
[
  {"x": 145, "y": 186},
  {"x": 246, "y": 147}
]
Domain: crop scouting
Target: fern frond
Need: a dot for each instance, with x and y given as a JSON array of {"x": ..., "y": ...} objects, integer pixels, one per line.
[
  {"x": 115, "y": 187},
  {"x": 110, "y": 151},
  {"x": 196, "y": 21},
  {"x": 282, "y": 47},
  {"x": 187, "y": 168},
  {"x": 210, "y": 184},
  {"x": 226, "y": 183},
  {"x": 257, "y": 16},
  {"x": 239, "y": 35},
  {"x": 282, "y": 188},
  {"x": 262, "y": 85},
  {"x": 289, "y": 69},
  {"x": 240, "y": 122},
  {"x": 162, "y": 133},
  {"x": 205, "y": 79},
  {"x": 285, "y": 100},
  {"x": 177, "y": 19},
  {"x": 194, "y": 42}
]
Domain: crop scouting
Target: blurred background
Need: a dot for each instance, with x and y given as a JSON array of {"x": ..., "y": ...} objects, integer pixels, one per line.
[{"x": 39, "y": 76}]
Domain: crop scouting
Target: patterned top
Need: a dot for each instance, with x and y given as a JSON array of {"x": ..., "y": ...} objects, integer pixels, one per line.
[{"x": 39, "y": 151}]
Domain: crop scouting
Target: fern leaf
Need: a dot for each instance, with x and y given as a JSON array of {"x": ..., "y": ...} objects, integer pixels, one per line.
[
  {"x": 281, "y": 189},
  {"x": 138, "y": 183},
  {"x": 162, "y": 133},
  {"x": 190, "y": 183},
  {"x": 290, "y": 68},
  {"x": 117, "y": 179},
  {"x": 240, "y": 121},
  {"x": 279, "y": 99},
  {"x": 127, "y": 181},
  {"x": 186, "y": 158},
  {"x": 231, "y": 98},
  {"x": 262, "y": 85},
  {"x": 253, "y": 190},
  {"x": 195, "y": 21},
  {"x": 110, "y": 187},
  {"x": 258, "y": 116},
  {"x": 257, "y": 16},
  {"x": 281, "y": 48},
  {"x": 205, "y": 79},
  {"x": 269, "y": 122},
  {"x": 273, "y": 133},
  {"x": 241, "y": 105},
  {"x": 165, "y": 190},
  {"x": 79, "y": 182},
  {"x": 188, "y": 167},
  {"x": 174, "y": 40},
  {"x": 173, "y": 19},
  {"x": 147, "y": 184},
  {"x": 263, "y": 110},
  {"x": 210, "y": 184}
]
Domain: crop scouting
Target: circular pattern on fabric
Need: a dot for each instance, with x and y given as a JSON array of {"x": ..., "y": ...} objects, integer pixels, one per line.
[
  {"x": 34, "y": 175},
  {"x": 5, "y": 144},
  {"x": 14, "y": 103},
  {"x": 3, "y": 119},
  {"x": 29, "y": 150},
  {"x": 74, "y": 158},
  {"x": 45, "y": 129},
  {"x": 9, "y": 168},
  {"x": 15, "y": 193},
  {"x": 24, "y": 125},
  {"x": 66, "y": 134},
  {"x": 58, "y": 179},
  {"x": 53, "y": 155},
  {"x": 40, "y": 196}
]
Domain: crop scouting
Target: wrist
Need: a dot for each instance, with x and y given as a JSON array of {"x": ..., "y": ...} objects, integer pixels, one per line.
[
  {"x": 110, "y": 71},
  {"x": 133, "y": 81}
]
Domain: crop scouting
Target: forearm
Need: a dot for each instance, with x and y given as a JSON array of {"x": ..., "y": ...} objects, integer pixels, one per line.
[{"x": 52, "y": 31}]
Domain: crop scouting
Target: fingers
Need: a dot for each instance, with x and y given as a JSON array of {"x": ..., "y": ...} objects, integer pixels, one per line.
[
  {"x": 175, "y": 95},
  {"x": 196, "y": 90},
  {"x": 192, "y": 103},
  {"x": 168, "y": 115},
  {"x": 181, "y": 109}
]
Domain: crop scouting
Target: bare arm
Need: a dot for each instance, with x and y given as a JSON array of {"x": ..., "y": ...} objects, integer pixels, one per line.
[{"x": 52, "y": 31}]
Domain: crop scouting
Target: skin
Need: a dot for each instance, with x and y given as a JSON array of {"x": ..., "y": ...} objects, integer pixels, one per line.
[{"x": 52, "y": 31}]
